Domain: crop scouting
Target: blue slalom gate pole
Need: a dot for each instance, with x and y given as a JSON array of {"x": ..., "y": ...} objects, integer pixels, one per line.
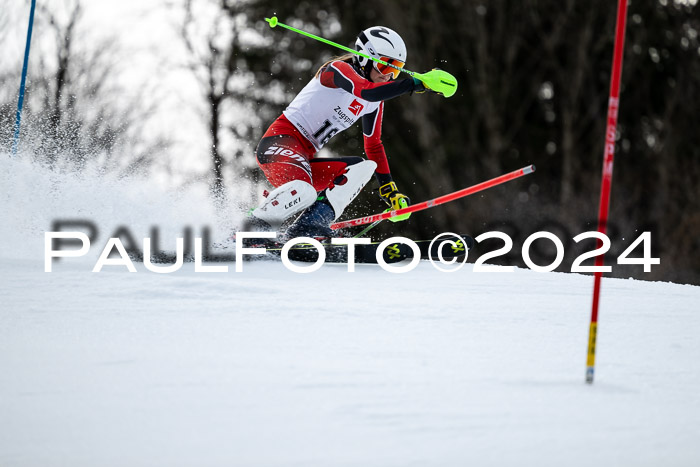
[{"x": 18, "y": 119}]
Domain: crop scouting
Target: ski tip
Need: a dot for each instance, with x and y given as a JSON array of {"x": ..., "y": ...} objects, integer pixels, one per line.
[
  {"x": 272, "y": 21},
  {"x": 529, "y": 169}
]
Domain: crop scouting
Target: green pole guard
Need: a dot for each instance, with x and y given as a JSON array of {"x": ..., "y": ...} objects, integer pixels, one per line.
[{"x": 438, "y": 80}]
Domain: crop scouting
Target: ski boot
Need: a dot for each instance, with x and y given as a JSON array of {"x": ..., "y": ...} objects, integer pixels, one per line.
[{"x": 314, "y": 222}]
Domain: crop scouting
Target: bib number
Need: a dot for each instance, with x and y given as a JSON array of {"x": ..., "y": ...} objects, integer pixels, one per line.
[{"x": 327, "y": 130}]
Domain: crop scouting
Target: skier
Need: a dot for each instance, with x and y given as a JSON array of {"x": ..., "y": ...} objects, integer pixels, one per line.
[{"x": 344, "y": 90}]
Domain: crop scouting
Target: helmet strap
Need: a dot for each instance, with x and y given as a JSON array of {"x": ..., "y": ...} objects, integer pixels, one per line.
[{"x": 367, "y": 70}]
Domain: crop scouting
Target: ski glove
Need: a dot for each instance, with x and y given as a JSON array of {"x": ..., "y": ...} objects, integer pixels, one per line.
[
  {"x": 422, "y": 86},
  {"x": 391, "y": 196},
  {"x": 418, "y": 86}
]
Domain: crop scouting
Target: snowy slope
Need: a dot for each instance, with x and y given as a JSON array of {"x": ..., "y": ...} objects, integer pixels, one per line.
[{"x": 269, "y": 367}]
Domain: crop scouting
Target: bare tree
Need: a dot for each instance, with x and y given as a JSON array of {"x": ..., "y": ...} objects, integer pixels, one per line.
[
  {"x": 210, "y": 61},
  {"x": 76, "y": 110},
  {"x": 231, "y": 60}
]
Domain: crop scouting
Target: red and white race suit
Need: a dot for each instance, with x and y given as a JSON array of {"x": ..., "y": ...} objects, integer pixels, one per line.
[{"x": 328, "y": 104}]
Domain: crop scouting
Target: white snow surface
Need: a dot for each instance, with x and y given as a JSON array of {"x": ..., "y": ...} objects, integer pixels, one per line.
[{"x": 267, "y": 367}]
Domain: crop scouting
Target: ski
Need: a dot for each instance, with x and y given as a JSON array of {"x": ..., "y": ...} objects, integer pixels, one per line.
[{"x": 447, "y": 247}]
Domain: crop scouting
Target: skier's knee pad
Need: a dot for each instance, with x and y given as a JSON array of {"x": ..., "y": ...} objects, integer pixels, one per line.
[
  {"x": 349, "y": 186},
  {"x": 286, "y": 201}
]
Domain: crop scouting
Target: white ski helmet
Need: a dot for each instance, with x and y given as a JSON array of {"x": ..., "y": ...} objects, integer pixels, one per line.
[{"x": 382, "y": 43}]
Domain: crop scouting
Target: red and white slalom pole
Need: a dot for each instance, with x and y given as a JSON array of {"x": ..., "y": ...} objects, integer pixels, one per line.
[
  {"x": 608, "y": 156},
  {"x": 437, "y": 201}
]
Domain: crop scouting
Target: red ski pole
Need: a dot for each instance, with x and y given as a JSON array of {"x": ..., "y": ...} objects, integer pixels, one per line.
[
  {"x": 608, "y": 157},
  {"x": 437, "y": 201}
]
